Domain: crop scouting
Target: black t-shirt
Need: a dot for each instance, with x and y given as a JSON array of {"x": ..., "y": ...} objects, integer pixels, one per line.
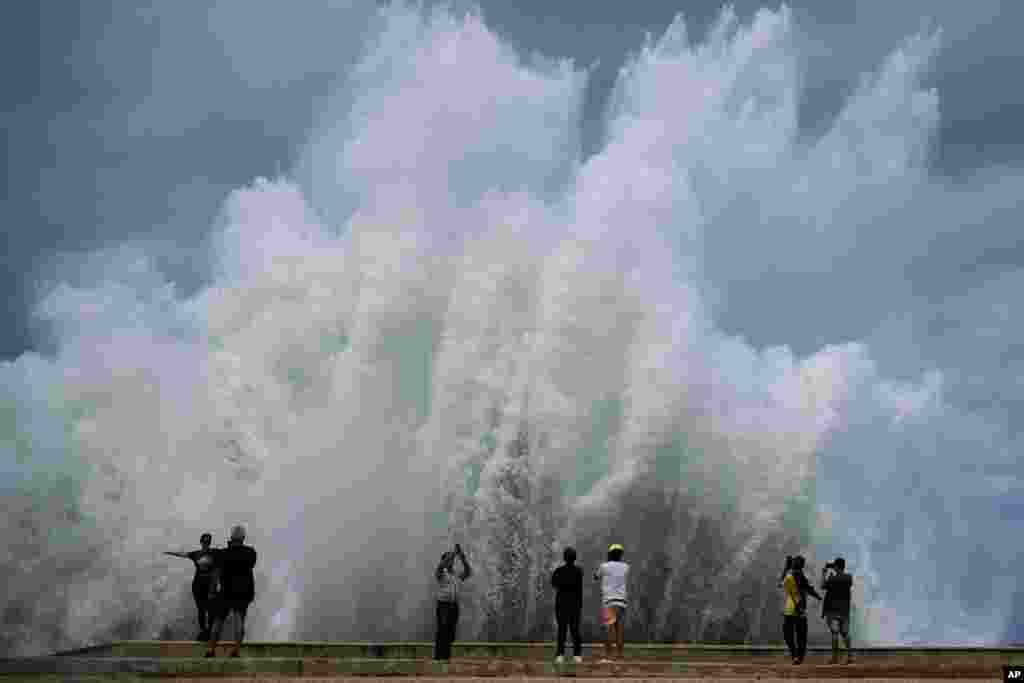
[
  {"x": 838, "y": 589},
  {"x": 235, "y": 564},
  {"x": 205, "y": 562},
  {"x": 568, "y": 583}
]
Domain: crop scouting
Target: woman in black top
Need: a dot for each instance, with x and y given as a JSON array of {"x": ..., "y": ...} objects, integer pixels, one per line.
[{"x": 204, "y": 583}]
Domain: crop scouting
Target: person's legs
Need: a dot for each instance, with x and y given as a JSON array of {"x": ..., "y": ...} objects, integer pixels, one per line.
[
  {"x": 801, "y": 637},
  {"x": 239, "y": 609},
  {"x": 204, "y": 620},
  {"x": 201, "y": 594},
  {"x": 833, "y": 627},
  {"x": 563, "y": 623},
  {"x": 447, "y": 616},
  {"x": 620, "y": 635},
  {"x": 453, "y": 627},
  {"x": 441, "y": 633},
  {"x": 844, "y": 631},
  {"x": 609, "y": 620},
  {"x": 789, "y": 633},
  {"x": 217, "y": 614},
  {"x": 574, "y": 629}
]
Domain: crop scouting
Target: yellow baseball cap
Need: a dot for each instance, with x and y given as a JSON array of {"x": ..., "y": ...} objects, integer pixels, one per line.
[{"x": 616, "y": 546}]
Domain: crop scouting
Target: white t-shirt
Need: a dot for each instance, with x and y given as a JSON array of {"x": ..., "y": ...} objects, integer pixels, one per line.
[{"x": 614, "y": 576}]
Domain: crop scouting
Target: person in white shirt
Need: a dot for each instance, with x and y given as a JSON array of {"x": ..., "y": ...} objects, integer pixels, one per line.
[{"x": 614, "y": 577}]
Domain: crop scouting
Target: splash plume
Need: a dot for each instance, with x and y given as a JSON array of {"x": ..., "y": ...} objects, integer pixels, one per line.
[{"x": 443, "y": 327}]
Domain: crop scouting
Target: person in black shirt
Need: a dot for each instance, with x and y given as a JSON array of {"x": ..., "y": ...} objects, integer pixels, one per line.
[
  {"x": 838, "y": 587},
  {"x": 203, "y": 583},
  {"x": 568, "y": 583},
  {"x": 237, "y": 588}
]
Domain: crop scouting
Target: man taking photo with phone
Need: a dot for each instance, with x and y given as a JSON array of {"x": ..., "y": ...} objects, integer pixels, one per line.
[{"x": 838, "y": 587}]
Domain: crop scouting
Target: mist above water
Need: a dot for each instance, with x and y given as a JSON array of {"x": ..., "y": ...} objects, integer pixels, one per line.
[{"x": 441, "y": 327}]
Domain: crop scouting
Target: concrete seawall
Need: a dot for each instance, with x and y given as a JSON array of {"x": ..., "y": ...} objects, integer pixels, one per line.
[{"x": 127, "y": 659}]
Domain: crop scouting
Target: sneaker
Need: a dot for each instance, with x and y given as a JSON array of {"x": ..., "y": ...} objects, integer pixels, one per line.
[
  {"x": 577, "y": 659},
  {"x": 606, "y": 661},
  {"x": 559, "y": 659}
]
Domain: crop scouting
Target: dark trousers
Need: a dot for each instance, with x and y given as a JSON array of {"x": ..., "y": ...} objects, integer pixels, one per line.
[
  {"x": 569, "y": 619},
  {"x": 794, "y": 629},
  {"x": 201, "y": 594},
  {"x": 447, "y": 620}
]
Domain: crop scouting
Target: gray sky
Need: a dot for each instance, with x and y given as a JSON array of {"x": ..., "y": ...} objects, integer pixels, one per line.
[{"x": 131, "y": 125}]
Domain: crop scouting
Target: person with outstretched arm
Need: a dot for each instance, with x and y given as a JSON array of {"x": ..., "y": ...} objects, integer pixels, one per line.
[
  {"x": 448, "y": 584},
  {"x": 567, "y": 581},
  {"x": 203, "y": 583},
  {"x": 237, "y": 589}
]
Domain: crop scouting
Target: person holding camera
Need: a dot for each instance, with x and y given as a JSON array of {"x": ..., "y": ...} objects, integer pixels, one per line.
[
  {"x": 448, "y": 583},
  {"x": 614, "y": 578},
  {"x": 838, "y": 587}
]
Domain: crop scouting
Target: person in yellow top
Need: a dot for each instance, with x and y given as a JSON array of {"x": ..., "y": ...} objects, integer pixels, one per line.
[{"x": 794, "y": 613}]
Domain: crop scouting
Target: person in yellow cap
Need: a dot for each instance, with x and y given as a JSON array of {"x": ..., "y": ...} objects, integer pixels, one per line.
[{"x": 614, "y": 576}]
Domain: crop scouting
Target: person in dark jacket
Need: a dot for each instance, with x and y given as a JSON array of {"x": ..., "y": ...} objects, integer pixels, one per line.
[
  {"x": 568, "y": 583},
  {"x": 237, "y": 588},
  {"x": 203, "y": 583},
  {"x": 838, "y": 587},
  {"x": 448, "y": 585}
]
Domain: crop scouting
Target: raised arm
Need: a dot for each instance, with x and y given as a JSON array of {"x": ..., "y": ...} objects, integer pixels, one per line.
[
  {"x": 441, "y": 566},
  {"x": 467, "y": 571},
  {"x": 182, "y": 555}
]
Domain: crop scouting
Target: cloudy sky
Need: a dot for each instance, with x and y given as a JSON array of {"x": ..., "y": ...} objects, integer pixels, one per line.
[{"x": 131, "y": 125}]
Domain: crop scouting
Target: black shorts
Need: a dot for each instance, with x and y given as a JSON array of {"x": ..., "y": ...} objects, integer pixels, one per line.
[{"x": 222, "y": 606}]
